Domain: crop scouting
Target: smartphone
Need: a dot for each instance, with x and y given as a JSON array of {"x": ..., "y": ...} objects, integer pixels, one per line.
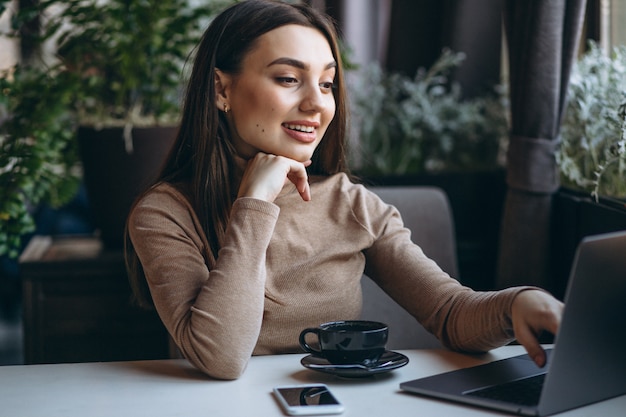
[{"x": 310, "y": 399}]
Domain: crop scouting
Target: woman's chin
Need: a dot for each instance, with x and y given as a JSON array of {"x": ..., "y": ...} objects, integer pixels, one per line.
[{"x": 300, "y": 157}]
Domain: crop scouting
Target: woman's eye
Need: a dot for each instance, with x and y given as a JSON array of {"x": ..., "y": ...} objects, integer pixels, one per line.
[
  {"x": 327, "y": 85},
  {"x": 287, "y": 80}
]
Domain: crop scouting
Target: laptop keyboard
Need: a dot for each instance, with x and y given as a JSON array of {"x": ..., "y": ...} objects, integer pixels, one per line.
[{"x": 523, "y": 391}]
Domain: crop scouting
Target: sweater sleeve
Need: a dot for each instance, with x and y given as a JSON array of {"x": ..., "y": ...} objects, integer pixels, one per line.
[
  {"x": 213, "y": 316},
  {"x": 461, "y": 318}
]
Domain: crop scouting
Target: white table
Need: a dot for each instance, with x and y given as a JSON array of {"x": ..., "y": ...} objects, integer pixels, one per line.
[{"x": 175, "y": 388}]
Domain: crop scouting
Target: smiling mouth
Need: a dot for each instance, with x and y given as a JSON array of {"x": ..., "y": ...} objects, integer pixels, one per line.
[{"x": 299, "y": 128}]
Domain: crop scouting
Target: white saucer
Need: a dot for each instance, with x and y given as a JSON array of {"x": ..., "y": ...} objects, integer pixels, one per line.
[{"x": 388, "y": 361}]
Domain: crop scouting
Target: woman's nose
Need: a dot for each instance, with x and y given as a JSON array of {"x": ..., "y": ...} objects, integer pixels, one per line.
[{"x": 313, "y": 100}]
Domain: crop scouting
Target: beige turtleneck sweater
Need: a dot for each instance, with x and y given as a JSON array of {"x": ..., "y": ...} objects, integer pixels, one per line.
[{"x": 291, "y": 264}]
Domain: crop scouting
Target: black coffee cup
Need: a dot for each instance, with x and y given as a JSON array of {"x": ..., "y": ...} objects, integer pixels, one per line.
[{"x": 348, "y": 341}]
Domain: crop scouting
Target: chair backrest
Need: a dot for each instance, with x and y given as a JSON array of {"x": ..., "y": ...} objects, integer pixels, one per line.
[{"x": 427, "y": 213}]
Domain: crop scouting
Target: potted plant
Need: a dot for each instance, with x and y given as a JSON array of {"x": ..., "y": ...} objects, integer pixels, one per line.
[
  {"x": 422, "y": 131},
  {"x": 38, "y": 154},
  {"x": 129, "y": 57},
  {"x": 592, "y": 156},
  {"x": 424, "y": 124}
]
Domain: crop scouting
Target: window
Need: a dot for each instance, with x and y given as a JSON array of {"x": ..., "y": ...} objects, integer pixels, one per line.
[
  {"x": 8, "y": 47},
  {"x": 604, "y": 23}
]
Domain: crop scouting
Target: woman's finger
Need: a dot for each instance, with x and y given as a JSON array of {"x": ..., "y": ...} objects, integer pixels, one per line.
[
  {"x": 532, "y": 313},
  {"x": 266, "y": 174},
  {"x": 299, "y": 177}
]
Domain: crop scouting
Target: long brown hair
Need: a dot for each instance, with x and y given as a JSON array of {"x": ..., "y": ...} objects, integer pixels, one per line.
[{"x": 203, "y": 156}]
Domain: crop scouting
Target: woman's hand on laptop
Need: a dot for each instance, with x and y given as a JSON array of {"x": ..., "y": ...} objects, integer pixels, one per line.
[{"x": 532, "y": 312}]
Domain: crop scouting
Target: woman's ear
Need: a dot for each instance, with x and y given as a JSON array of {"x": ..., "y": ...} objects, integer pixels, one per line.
[{"x": 222, "y": 88}]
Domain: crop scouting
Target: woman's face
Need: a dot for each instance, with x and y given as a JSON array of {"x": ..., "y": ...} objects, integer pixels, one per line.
[{"x": 282, "y": 101}]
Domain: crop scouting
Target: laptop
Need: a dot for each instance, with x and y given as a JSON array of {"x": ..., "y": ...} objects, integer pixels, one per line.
[{"x": 587, "y": 363}]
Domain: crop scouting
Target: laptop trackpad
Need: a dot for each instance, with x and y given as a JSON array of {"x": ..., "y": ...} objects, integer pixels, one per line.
[{"x": 469, "y": 379}]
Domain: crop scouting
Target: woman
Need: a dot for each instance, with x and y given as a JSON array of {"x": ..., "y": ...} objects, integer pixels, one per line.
[{"x": 254, "y": 230}]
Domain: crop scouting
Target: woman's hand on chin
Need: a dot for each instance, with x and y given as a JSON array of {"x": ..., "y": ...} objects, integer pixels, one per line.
[{"x": 266, "y": 174}]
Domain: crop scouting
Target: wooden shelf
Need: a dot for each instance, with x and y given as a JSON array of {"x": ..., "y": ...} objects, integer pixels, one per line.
[{"x": 77, "y": 305}]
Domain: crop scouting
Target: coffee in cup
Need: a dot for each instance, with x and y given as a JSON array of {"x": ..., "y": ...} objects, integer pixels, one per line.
[{"x": 348, "y": 341}]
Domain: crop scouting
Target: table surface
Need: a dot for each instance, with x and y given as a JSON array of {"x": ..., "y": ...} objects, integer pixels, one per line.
[{"x": 174, "y": 388}]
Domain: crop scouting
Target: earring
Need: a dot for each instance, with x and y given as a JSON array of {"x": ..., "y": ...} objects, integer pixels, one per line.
[{"x": 226, "y": 108}]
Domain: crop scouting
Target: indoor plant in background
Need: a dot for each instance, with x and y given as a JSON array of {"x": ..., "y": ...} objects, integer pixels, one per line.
[
  {"x": 129, "y": 57},
  {"x": 421, "y": 130},
  {"x": 38, "y": 153},
  {"x": 592, "y": 157},
  {"x": 424, "y": 124}
]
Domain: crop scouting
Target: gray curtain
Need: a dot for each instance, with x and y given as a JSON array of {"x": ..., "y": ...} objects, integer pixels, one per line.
[{"x": 543, "y": 37}]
